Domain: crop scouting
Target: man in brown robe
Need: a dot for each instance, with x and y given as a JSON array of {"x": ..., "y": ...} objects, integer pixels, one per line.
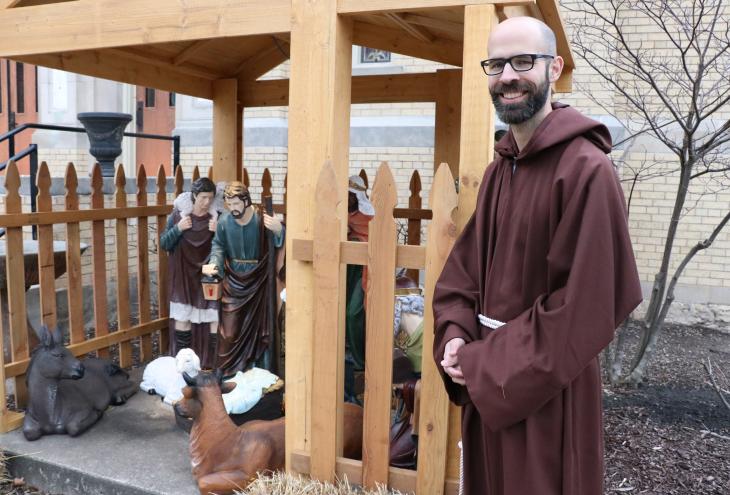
[{"x": 534, "y": 288}]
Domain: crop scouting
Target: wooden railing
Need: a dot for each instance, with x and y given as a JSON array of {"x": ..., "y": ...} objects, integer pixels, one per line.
[{"x": 382, "y": 254}]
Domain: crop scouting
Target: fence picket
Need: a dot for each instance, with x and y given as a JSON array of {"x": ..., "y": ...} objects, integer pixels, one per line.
[
  {"x": 162, "y": 303},
  {"x": 98, "y": 260},
  {"x": 434, "y": 412},
  {"x": 246, "y": 182},
  {"x": 143, "y": 265},
  {"x": 364, "y": 176},
  {"x": 122, "y": 252},
  {"x": 179, "y": 181},
  {"x": 196, "y": 174},
  {"x": 46, "y": 265},
  {"x": 74, "y": 287},
  {"x": 379, "y": 321},
  {"x": 265, "y": 184},
  {"x": 15, "y": 266}
]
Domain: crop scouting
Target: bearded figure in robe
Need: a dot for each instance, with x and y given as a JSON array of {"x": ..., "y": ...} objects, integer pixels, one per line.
[
  {"x": 535, "y": 286},
  {"x": 239, "y": 254},
  {"x": 187, "y": 238}
]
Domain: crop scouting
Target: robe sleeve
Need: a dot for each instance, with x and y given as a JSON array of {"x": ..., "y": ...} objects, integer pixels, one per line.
[
  {"x": 171, "y": 236},
  {"x": 593, "y": 285},
  {"x": 218, "y": 248},
  {"x": 455, "y": 304}
]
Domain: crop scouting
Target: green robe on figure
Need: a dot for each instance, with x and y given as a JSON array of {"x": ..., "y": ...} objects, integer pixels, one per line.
[{"x": 246, "y": 327}]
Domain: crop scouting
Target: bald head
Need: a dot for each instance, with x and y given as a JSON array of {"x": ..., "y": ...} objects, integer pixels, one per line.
[{"x": 529, "y": 34}]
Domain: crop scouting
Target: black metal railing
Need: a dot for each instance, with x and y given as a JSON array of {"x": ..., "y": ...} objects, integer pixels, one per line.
[{"x": 32, "y": 152}]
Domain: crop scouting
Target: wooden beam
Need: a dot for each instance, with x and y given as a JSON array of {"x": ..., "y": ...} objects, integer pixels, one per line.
[
  {"x": 85, "y": 215},
  {"x": 356, "y": 253},
  {"x": 92, "y": 24},
  {"x": 139, "y": 55},
  {"x": 394, "y": 40},
  {"x": 453, "y": 28},
  {"x": 97, "y": 63},
  {"x": 448, "y": 120},
  {"x": 256, "y": 66},
  {"x": 193, "y": 49},
  {"x": 392, "y": 88},
  {"x": 225, "y": 129},
  {"x": 551, "y": 17},
  {"x": 9, "y": 4},
  {"x": 417, "y": 32},
  {"x": 380, "y": 6},
  {"x": 319, "y": 129}
]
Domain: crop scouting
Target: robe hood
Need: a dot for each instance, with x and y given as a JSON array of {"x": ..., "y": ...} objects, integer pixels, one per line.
[{"x": 562, "y": 124}]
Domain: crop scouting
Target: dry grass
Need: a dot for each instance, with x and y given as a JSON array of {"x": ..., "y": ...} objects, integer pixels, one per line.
[{"x": 293, "y": 484}]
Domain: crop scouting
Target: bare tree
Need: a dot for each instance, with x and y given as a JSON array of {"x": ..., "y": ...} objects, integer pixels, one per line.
[{"x": 674, "y": 89}]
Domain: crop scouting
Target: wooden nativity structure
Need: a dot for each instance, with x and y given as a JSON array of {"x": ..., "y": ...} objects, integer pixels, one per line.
[{"x": 217, "y": 49}]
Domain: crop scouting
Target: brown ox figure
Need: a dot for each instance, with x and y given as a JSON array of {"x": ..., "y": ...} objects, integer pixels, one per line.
[{"x": 226, "y": 457}]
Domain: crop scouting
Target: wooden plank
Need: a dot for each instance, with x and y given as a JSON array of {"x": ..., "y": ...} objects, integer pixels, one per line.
[
  {"x": 378, "y": 6},
  {"x": 93, "y": 214},
  {"x": 98, "y": 260},
  {"x": 179, "y": 182},
  {"x": 8, "y": 4},
  {"x": 15, "y": 272},
  {"x": 240, "y": 129},
  {"x": 122, "y": 268},
  {"x": 395, "y": 40},
  {"x": 192, "y": 49},
  {"x": 162, "y": 302},
  {"x": 91, "y": 24},
  {"x": 414, "y": 225},
  {"x": 329, "y": 339},
  {"x": 145, "y": 57},
  {"x": 143, "y": 265},
  {"x": 382, "y": 243},
  {"x": 46, "y": 265},
  {"x": 73, "y": 260},
  {"x": 79, "y": 349},
  {"x": 196, "y": 174},
  {"x": 390, "y": 88},
  {"x": 403, "y": 480},
  {"x": 414, "y": 30},
  {"x": 319, "y": 127},
  {"x": 434, "y": 419},
  {"x": 448, "y": 120},
  {"x": 454, "y": 29},
  {"x": 10, "y": 421},
  {"x": 356, "y": 253},
  {"x": 260, "y": 63},
  {"x": 98, "y": 63},
  {"x": 225, "y": 112}
]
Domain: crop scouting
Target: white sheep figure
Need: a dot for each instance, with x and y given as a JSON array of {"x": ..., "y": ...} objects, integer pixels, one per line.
[
  {"x": 163, "y": 376},
  {"x": 250, "y": 386}
]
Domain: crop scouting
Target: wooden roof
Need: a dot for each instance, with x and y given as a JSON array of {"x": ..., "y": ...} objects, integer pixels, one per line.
[{"x": 184, "y": 46}]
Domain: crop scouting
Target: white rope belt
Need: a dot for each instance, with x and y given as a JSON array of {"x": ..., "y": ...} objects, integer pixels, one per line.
[{"x": 493, "y": 324}]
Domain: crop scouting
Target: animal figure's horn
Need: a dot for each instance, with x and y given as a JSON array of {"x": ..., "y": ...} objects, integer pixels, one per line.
[{"x": 191, "y": 381}]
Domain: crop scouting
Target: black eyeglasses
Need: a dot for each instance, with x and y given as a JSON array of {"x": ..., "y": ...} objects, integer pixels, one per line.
[{"x": 519, "y": 63}]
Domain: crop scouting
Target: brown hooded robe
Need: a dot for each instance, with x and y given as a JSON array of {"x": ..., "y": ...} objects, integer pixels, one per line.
[{"x": 548, "y": 252}]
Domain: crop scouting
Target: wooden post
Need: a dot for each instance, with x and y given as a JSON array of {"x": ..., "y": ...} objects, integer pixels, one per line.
[
  {"x": 329, "y": 339},
  {"x": 448, "y": 119},
  {"x": 476, "y": 150},
  {"x": 265, "y": 184},
  {"x": 98, "y": 260},
  {"x": 225, "y": 129},
  {"x": 162, "y": 302},
  {"x": 239, "y": 142},
  {"x": 319, "y": 127},
  {"x": 73, "y": 261},
  {"x": 179, "y": 181},
  {"x": 434, "y": 418},
  {"x": 382, "y": 243},
  {"x": 122, "y": 272},
  {"x": 196, "y": 174},
  {"x": 143, "y": 266}
]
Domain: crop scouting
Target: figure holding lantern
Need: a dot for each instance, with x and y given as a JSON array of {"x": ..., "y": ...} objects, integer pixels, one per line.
[
  {"x": 239, "y": 254},
  {"x": 187, "y": 238}
]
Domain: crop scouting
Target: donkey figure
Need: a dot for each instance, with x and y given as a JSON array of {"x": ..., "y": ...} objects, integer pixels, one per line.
[
  {"x": 226, "y": 457},
  {"x": 66, "y": 395}
]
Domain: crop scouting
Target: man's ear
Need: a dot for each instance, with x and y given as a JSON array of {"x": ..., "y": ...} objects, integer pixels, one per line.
[
  {"x": 227, "y": 387},
  {"x": 556, "y": 68}
]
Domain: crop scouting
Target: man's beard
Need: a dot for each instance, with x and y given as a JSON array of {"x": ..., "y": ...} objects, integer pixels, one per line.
[
  {"x": 237, "y": 213},
  {"x": 517, "y": 113}
]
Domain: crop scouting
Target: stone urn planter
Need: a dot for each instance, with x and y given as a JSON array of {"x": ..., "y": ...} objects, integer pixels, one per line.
[{"x": 105, "y": 131}]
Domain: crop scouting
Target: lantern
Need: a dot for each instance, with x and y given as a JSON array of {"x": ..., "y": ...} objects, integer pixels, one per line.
[{"x": 211, "y": 287}]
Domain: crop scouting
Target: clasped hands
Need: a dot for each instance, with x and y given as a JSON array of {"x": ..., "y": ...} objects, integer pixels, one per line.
[{"x": 450, "y": 362}]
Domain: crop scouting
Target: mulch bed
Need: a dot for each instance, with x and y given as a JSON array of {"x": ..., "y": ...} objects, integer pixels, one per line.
[{"x": 671, "y": 436}]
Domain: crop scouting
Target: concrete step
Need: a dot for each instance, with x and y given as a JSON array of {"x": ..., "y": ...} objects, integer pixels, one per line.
[{"x": 135, "y": 449}]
